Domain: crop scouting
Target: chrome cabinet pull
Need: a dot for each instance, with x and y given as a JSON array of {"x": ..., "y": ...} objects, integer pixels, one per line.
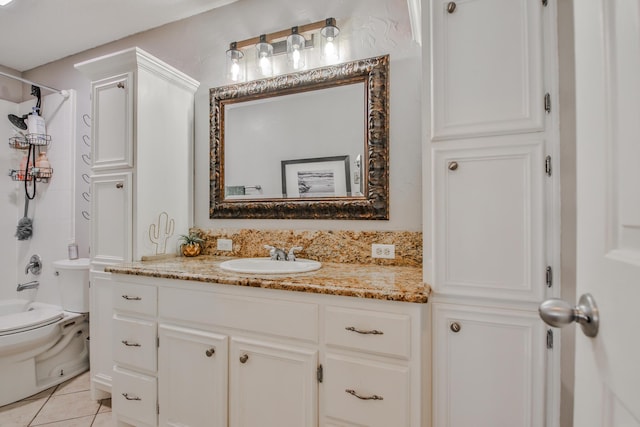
[
  {"x": 363, "y": 332},
  {"x": 455, "y": 327},
  {"x": 210, "y": 352},
  {"x": 244, "y": 358},
  {"x": 372, "y": 397},
  {"x": 451, "y": 6},
  {"x": 126, "y": 396},
  {"x": 120, "y": 85},
  {"x": 128, "y": 298},
  {"x": 130, "y": 344},
  {"x": 453, "y": 166},
  {"x": 119, "y": 185}
]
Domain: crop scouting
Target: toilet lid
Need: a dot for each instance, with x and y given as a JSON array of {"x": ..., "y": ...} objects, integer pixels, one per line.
[{"x": 26, "y": 320}]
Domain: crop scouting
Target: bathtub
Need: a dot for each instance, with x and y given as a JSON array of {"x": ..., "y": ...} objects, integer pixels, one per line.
[{"x": 40, "y": 346}]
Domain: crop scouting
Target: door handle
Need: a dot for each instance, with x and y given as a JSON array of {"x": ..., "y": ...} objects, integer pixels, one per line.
[{"x": 557, "y": 313}]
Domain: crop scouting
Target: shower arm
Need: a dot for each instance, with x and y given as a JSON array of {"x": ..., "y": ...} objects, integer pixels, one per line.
[{"x": 64, "y": 93}]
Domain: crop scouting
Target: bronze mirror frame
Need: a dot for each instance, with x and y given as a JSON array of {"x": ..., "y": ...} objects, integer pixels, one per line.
[{"x": 374, "y": 205}]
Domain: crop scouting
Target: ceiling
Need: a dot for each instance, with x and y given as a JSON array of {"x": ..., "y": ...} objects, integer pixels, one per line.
[{"x": 36, "y": 32}]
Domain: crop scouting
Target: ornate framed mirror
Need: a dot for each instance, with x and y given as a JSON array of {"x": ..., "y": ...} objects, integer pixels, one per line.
[{"x": 306, "y": 145}]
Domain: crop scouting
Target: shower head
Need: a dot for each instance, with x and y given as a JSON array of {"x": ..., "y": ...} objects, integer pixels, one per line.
[{"x": 19, "y": 122}]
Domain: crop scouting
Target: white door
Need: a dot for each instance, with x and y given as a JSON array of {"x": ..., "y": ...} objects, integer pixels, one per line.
[{"x": 607, "y": 40}]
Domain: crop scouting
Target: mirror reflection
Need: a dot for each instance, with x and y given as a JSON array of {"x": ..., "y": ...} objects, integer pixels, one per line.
[{"x": 307, "y": 144}]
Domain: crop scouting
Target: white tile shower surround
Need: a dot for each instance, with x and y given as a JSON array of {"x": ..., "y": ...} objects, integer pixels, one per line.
[{"x": 66, "y": 405}]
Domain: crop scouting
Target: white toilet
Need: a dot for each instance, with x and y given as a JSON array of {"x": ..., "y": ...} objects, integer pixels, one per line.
[{"x": 73, "y": 280}]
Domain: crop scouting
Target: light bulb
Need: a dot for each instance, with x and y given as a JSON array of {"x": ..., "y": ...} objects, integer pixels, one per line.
[
  {"x": 235, "y": 71},
  {"x": 265, "y": 65},
  {"x": 296, "y": 57}
]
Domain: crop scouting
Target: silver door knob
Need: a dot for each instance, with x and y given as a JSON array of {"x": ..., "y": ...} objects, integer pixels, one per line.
[{"x": 557, "y": 313}]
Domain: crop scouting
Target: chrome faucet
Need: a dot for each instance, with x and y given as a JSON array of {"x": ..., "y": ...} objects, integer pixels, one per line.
[
  {"x": 278, "y": 254},
  {"x": 34, "y": 266},
  {"x": 29, "y": 285}
]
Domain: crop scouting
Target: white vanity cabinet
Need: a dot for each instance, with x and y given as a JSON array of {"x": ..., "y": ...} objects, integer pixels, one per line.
[
  {"x": 232, "y": 356},
  {"x": 142, "y": 119},
  {"x": 491, "y": 368},
  {"x": 492, "y": 158}
]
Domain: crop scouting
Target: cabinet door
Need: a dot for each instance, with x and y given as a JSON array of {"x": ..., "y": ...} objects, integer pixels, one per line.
[
  {"x": 112, "y": 131},
  {"x": 111, "y": 209},
  {"x": 272, "y": 385},
  {"x": 487, "y": 67},
  {"x": 489, "y": 208},
  {"x": 192, "y": 372},
  {"x": 489, "y": 367},
  {"x": 100, "y": 330}
]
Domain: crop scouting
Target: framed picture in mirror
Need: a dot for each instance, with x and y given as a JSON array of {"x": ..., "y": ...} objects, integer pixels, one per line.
[{"x": 318, "y": 177}]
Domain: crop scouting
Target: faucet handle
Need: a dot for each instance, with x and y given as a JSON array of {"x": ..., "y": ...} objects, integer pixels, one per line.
[
  {"x": 291, "y": 256},
  {"x": 272, "y": 251}
]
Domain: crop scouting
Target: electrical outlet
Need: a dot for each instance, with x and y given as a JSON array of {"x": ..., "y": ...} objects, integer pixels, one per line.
[
  {"x": 225, "y": 244},
  {"x": 383, "y": 251}
]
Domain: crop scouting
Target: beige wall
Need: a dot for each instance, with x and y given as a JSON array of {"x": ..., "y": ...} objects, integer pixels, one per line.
[
  {"x": 197, "y": 47},
  {"x": 10, "y": 89}
]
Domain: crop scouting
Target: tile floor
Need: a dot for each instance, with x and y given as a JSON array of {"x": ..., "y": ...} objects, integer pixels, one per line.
[{"x": 66, "y": 405}]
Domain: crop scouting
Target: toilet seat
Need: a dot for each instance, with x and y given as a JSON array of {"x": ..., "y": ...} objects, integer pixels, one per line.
[{"x": 27, "y": 320}]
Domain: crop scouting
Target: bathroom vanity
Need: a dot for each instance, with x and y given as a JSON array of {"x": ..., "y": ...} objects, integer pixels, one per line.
[{"x": 196, "y": 345}]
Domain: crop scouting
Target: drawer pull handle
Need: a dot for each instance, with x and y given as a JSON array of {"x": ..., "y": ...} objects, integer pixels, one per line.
[
  {"x": 373, "y": 397},
  {"x": 244, "y": 358},
  {"x": 126, "y": 396},
  {"x": 128, "y": 298},
  {"x": 120, "y": 85},
  {"x": 130, "y": 344},
  {"x": 360, "y": 331},
  {"x": 210, "y": 352}
]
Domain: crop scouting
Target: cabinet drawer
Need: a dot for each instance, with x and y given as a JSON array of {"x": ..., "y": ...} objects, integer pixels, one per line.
[
  {"x": 134, "y": 343},
  {"x": 134, "y": 298},
  {"x": 261, "y": 315},
  {"x": 383, "y": 391},
  {"x": 382, "y": 333},
  {"x": 134, "y": 396}
]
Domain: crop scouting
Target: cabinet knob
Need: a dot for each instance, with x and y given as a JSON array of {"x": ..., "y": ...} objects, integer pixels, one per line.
[
  {"x": 210, "y": 352},
  {"x": 455, "y": 327},
  {"x": 120, "y": 185},
  {"x": 453, "y": 166},
  {"x": 244, "y": 358},
  {"x": 120, "y": 85},
  {"x": 451, "y": 6}
]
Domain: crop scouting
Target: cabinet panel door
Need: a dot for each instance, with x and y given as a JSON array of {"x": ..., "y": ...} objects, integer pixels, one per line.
[
  {"x": 492, "y": 371},
  {"x": 272, "y": 385},
  {"x": 489, "y": 207},
  {"x": 112, "y": 215},
  {"x": 192, "y": 372},
  {"x": 100, "y": 330},
  {"x": 112, "y": 131},
  {"x": 487, "y": 68}
]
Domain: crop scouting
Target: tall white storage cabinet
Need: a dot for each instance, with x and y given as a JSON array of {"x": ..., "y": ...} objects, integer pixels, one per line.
[
  {"x": 493, "y": 136},
  {"x": 141, "y": 162}
]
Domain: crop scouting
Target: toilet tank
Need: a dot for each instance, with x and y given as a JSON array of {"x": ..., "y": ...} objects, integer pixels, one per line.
[{"x": 73, "y": 280}]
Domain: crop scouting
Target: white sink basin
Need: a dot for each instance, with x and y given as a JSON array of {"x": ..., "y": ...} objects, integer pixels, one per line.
[{"x": 269, "y": 266}]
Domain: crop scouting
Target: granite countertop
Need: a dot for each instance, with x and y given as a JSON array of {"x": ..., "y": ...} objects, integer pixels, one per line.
[{"x": 391, "y": 283}]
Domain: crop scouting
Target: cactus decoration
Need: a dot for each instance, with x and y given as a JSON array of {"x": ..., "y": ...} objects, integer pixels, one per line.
[{"x": 158, "y": 237}]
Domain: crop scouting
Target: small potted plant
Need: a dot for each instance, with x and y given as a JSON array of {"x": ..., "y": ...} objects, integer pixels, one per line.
[{"x": 190, "y": 244}]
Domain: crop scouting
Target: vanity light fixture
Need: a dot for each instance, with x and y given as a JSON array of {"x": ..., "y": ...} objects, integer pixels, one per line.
[
  {"x": 330, "y": 41},
  {"x": 264, "y": 55},
  {"x": 291, "y": 41},
  {"x": 295, "y": 49},
  {"x": 235, "y": 65}
]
